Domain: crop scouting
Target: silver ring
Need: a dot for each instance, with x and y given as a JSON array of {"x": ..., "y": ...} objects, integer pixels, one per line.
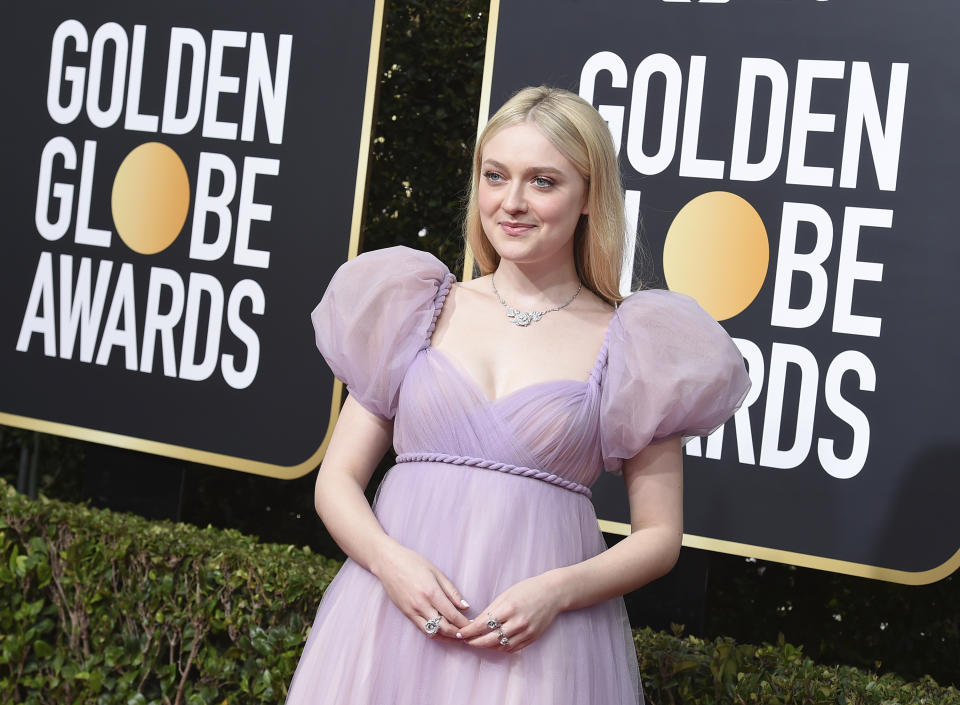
[
  {"x": 432, "y": 626},
  {"x": 503, "y": 638},
  {"x": 492, "y": 623}
]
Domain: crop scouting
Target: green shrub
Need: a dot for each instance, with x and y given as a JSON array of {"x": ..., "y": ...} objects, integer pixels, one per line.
[
  {"x": 100, "y": 607},
  {"x": 692, "y": 671}
]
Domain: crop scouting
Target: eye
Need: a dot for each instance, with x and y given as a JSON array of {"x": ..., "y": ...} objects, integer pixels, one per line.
[
  {"x": 493, "y": 177},
  {"x": 542, "y": 182}
]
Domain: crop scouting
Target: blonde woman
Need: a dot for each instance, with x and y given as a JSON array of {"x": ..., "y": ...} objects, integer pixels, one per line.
[{"x": 480, "y": 574}]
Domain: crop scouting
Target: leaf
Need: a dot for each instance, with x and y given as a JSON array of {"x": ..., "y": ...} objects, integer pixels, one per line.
[{"x": 42, "y": 649}]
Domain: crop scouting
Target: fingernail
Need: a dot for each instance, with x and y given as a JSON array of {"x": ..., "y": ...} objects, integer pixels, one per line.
[
  {"x": 459, "y": 635},
  {"x": 464, "y": 603}
]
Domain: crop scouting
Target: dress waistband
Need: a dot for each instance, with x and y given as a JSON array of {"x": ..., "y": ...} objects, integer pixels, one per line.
[{"x": 550, "y": 477}]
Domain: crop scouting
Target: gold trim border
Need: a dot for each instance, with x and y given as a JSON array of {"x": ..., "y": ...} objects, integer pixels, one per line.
[
  {"x": 194, "y": 455},
  {"x": 861, "y": 570},
  {"x": 256, "y": 467},
  {"x": 738, "y": 549}
]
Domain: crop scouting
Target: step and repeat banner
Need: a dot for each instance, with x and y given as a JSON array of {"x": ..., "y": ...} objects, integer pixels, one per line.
[
  {"x": 181, "y": 181},
  {"x": 792, "y": 165}
]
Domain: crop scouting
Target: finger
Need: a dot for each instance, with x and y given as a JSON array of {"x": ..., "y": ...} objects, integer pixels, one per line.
[
  {"x": 448, "y": 630},
  {"x": 422, "y": 622},
  {"x": 444, "y": 629},
  {"x": 517, "y": 632},
  {"x": 478, "y": 626},
  {"x": 491, "y": 639},
  {"x": 452, "y": 616},
  {"x": 473, "y": 629},
  {"x": 451, "y": 591},
  {"x": 487, "y": 641},
  {"x": 516, "y": 643}
]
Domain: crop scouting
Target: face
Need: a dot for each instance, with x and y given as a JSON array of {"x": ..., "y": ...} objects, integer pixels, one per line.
[{"x": 530, "y": 196}]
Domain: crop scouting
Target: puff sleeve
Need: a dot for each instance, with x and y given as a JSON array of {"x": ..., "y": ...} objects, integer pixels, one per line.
[
  {"x": 376, "y": 314},
  {"x": 671, "y": 371}
]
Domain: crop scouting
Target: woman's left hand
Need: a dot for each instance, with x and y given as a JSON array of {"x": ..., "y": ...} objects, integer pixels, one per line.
[{"x": 524, "y": 611}]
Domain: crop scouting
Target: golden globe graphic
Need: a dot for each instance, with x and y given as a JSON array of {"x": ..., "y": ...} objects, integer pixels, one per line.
[
  {"x": 717, "y": 251},
  {"x": 187, "y": 188},
  {"x": 150, "y": 198}
]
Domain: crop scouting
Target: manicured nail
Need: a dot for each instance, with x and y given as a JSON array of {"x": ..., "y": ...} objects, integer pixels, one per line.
[
  {"x": 464, "y": 603},
  {"x": 459, "y": 635}
]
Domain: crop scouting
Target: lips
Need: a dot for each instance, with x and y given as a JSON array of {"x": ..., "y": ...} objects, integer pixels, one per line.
[{"x": 515, "y": 229}]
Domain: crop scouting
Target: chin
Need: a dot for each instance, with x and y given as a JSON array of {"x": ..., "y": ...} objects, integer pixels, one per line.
[
  {"x": 521, "y": 253},
  {"x": 515, "y": 250}
]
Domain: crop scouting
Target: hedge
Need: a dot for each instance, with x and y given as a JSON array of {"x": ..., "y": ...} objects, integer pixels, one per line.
[
  {"x": 692, "y": 671},
  {"x": 101, "y": 607}
]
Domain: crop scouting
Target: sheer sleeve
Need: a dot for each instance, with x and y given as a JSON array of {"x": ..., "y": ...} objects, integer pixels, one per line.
[
  {"x": 377, "y": 313},
  {"x": 671, "y": 371}
]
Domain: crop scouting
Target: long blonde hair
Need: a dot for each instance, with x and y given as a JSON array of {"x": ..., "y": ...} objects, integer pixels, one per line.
[{"x": 575, "y": 128}]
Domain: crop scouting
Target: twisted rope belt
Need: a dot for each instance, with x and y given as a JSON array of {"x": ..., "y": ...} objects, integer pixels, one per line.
[{"x": 550, "y": 477}]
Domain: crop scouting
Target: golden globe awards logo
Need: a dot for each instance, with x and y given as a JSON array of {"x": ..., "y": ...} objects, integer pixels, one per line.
[
  {"x": 717, "y": 247},
  {"x": 82, "y": 304}
]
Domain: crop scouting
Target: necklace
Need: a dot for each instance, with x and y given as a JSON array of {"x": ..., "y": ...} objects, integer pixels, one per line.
[{"x": 525, "y": 318}]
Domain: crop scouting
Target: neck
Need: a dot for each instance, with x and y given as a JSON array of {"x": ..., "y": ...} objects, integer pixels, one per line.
[{"x": 532, "y": 285}]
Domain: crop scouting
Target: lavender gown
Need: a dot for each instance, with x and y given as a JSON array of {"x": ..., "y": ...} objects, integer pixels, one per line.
[{"x": 493, "y": 492}]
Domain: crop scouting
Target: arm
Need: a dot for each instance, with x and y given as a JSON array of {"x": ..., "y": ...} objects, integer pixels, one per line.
[
  {"x": 415, "y": 585},
  {"x": 654, "y": 480},
  {"x": 358, "y": 443}
]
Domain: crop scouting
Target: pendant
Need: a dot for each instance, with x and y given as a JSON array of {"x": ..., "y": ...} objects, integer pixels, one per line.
[{"x": 524, "y": 318}]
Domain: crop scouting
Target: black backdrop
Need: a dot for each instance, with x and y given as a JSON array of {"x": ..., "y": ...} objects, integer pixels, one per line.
[
  {"x": 894, "y": 518},
  {"x": 277, "y": 423}
]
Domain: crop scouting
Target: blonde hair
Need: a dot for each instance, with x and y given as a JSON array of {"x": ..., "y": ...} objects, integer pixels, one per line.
[{"x": 575, "y": 128}]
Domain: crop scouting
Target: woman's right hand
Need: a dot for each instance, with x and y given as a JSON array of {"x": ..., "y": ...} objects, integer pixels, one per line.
[
  {"x": 414, "y": 584},
  {"x": 420, "y": 590}
]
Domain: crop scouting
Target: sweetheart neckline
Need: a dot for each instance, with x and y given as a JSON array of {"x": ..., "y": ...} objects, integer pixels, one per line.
[
  {"x": 468, "y": 378},
  {"x": 444, "y": 289}
]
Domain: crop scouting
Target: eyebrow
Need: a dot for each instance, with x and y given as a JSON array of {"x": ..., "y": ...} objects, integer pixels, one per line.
[{"x": 532, "y": 170}]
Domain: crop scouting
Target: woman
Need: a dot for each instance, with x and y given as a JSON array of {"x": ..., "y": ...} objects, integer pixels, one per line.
[{"x": 481, "y": 576}]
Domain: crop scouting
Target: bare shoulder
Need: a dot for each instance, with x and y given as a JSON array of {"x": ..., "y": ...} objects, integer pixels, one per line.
[
  {"x": 467, "y": 294},
  {"x": 469, "y": 297},
  {"x": 463, "y": 302},
  {"x": 479, "y": 285},
  {"x": 593, "y": 311}
]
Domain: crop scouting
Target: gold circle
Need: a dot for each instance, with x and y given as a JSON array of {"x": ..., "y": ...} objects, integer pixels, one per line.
[
  {"x": 717, "y": 251},
  {"x": 150, "y": 199}
]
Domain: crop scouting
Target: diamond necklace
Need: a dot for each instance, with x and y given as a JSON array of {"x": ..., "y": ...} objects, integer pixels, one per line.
[{"x": 525, "y": 318}]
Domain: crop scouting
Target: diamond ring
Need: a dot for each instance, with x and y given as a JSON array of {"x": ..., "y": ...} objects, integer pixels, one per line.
[{"x": 432, "y": 626}]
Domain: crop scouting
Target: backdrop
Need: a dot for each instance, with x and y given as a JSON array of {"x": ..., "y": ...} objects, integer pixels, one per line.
[
  {"x": 792, "y": 165},
  {"x": 182, "y": 180}
]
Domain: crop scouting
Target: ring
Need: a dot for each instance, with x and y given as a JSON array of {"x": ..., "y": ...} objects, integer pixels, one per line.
[
  {"x": 503, "y": 638},
  {"x": 432, "y": 626},
  {"x": 492, "y": 623}
]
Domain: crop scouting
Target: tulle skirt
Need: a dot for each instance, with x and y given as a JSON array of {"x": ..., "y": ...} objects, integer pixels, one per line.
[{"x": 485, "y": 530}]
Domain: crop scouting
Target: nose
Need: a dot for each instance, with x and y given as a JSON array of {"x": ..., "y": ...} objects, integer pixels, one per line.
[{"x": 514, "y": 200}]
